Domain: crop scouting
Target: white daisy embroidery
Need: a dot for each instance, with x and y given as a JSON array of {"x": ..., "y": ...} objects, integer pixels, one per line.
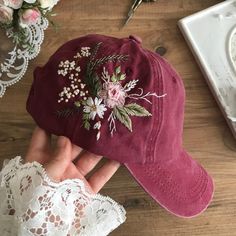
[{"x": 94, "y": 107}]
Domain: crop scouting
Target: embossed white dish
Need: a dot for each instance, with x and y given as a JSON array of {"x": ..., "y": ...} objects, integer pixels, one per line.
[{"x": 211, "y": 35}]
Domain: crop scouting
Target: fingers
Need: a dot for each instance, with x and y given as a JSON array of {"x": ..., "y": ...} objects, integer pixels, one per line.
[
  {"x": 40, "y": 139},
  {"x": 87, "y": 162},
  {"x": 40, "y": 142},
  {"x": 76, "y": 150},
  {"x": 61, "y": 159},
  {"x": 102, "y": 175},
  {"x": 73, "y": 173},
  {"x": 59, "y": 166}
]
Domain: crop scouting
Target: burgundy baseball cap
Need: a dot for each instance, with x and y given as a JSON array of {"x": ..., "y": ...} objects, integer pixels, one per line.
[{"x": 115, "y": 99}]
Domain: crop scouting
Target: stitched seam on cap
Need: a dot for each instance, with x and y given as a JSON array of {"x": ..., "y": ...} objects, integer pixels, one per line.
[{"x": 158, "y": 109}]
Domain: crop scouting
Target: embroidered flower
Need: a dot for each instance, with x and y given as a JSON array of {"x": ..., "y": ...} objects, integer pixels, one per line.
[
  {"x": 113, "y": 94},
  {"x": 100, "y": 93},
  {"x": 85, "y": 51},
  {"x": 94, "y": 107}
]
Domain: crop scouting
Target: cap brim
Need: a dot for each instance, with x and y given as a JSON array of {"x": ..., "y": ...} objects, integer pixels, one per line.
[{"x": 181, "y": 186}]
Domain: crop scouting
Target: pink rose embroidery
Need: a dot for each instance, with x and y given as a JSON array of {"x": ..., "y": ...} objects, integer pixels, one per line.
[{"x": 113, "y": 94}]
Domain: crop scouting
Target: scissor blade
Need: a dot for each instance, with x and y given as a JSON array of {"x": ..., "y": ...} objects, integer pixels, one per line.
[{"x": 128, "y": 18}]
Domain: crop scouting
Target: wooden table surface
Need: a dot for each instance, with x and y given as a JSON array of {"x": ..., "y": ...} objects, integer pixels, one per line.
[{"x": 206, "y": 134}]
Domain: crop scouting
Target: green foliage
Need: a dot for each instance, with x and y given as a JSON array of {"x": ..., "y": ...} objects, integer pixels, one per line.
[
  {"x": 134, "y": 109},
  {"x": 118, "y": 76},
  {"x": 86, "y": 123},
  {"x": 118, "y": 70},
  {"x": 123, "y": 117},
  {"x": 77, "y": 103},
  {"x": 94, "y": 84},
  {"x": 66, "y": 112},
  {"x": 109, "y": 58},
  {"x": 122, "y": 113},
  {"x": 122, "y": 77}
]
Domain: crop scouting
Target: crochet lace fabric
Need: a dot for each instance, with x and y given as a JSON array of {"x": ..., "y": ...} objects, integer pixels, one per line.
[{"x": 31, "y": 204}]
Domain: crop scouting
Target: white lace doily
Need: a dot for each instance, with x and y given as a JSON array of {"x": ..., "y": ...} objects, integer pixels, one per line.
[
  {"x": 16, "y": 63},
  {"x": 31, "y": 204}
]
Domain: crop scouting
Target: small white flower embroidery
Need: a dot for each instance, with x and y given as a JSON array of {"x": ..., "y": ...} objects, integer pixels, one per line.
[
  {"x": 85, "y": 51},
  {"x": 94, "y": 107},
  {"x": 97, "y": 125},
  {"x": 72, "y": 70}
]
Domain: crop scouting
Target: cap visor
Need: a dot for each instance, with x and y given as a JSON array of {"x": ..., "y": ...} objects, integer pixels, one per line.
[{"x": 181, "y": 186}]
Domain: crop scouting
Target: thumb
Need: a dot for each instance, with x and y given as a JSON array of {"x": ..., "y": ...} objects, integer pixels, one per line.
[{"x": 60, "y": 160}]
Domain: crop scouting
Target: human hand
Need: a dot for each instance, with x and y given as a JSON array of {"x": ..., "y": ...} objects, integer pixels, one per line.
[{"x": 60, "y": 164}]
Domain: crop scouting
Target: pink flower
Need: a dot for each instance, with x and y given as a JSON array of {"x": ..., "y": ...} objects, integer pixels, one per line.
[
  {"x": 15, "y": 4},
  {"x": 29, "y": 16},
  {"x": 6, "y": 14},
  {"x": 113, "y": 94}
]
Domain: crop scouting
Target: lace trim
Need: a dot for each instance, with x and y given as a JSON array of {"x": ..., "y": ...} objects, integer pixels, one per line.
[{"x": 32, "y": 204}]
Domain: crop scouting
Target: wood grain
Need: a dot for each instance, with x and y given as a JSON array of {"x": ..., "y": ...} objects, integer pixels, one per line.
[{"x": 206, "y": 134}]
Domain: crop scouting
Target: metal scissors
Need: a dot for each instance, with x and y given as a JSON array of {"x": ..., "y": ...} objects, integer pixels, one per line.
[{"x": 133, "y": 8}]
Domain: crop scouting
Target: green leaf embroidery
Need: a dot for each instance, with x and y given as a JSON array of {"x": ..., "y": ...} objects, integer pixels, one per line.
[
  {"x": 123, "y": 117},
  {"x": 92, "y": 57},
  {"x": 134, "y": 109},
  {"x": 117, "y": 76},
  {"x": 118, "y": 70},
  {"x": 86, "y": 123},
  {"x": 113, "y": 78},
  {"x": 77, "y": 104},
  {"x": 89, "y": 70},
  {"x": 122, "y": 77},
  {"x": 110, "y": 58},
  {"x": 94, "y": 84},
  {"x": 66, "y": 112}
]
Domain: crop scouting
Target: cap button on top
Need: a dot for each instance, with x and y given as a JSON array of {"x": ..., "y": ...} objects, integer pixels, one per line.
[{"x": 135, "y": 38}]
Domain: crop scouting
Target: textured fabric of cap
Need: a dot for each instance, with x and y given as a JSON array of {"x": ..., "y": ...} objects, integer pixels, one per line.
[{"x": 114, "y": 98}]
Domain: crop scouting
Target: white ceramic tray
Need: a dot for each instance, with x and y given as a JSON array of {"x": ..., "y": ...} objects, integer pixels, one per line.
[{"x": 211, "y": 35}]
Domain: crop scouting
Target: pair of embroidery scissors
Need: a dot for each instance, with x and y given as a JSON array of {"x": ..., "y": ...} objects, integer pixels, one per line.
[{"x": 133, "y": 8}]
